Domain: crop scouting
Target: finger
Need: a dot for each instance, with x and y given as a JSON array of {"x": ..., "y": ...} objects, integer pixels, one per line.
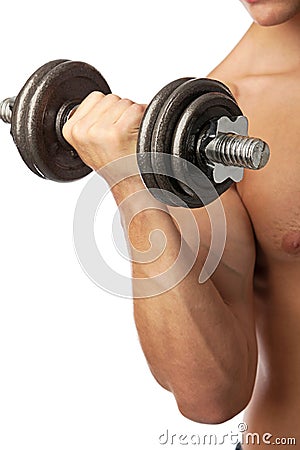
[
  {"x": 105, "y": 112},
  {"x": 132, "y": 116},
  {"x": 94, "y": 102},
  {"x": 104, "y": 104},
  {"x": 88, "y": 112},
  {"x": 112, "y": 114},
  {"x": 86, "y": 105}
]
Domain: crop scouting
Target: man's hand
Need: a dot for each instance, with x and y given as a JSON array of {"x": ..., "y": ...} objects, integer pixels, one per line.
[
  {"x": 199, "y": 339},
  {"x": 104, "y": 128}
]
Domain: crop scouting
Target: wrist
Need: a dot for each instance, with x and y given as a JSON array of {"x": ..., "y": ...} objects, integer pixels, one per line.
[
  {"x": 123, "y": 189},
  {"x": 132, "y": 197}
]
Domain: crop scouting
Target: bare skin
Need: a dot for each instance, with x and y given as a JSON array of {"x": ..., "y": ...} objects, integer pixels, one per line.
[
  {"x": 268, "y": 91},
  {"x": 202, "y": 341}
]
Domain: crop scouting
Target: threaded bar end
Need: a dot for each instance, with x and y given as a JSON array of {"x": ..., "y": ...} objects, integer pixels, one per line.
[
  {"x": 6, "y": 107},
  {"x": 232, "y": 149}
]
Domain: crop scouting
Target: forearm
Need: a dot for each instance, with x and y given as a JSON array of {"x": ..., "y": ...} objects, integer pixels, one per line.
[
  {"x": 193, "y": 340},
  {"x": 194, "y": 344}
]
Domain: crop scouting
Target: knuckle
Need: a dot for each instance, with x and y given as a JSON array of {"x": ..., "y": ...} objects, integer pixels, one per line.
[
  {"x": 138, "y": 108},
  {"x": 77, "y": 132},
  {"x": 66, "y": 132},
  {"x": 126, "y": 101},
  {"x": 96, "y": 95},
  {"x": 112, "y": 97}
]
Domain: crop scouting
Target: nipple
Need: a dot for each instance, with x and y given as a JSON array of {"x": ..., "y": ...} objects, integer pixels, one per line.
[{"x": 291, "y": 242}]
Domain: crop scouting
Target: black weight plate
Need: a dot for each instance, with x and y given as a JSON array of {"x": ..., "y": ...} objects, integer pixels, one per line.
[
  {"x": 145, "y": 138},
  {"x": 19, "y": 114},
  {"x": 67, "y": 83},
  {"x": 166, "y": 123},
  {"x": 196, "y": 117}
]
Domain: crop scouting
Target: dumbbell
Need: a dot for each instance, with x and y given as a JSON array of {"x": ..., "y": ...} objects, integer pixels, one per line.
[{"x": 191, "y": 122}]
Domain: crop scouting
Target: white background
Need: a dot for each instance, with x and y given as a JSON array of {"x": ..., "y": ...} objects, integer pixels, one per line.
[{"x": 72, "y": 374}]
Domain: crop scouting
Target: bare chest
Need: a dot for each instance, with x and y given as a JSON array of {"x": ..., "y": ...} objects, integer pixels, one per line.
[
  {"x": 272, "y": 195},
  {"x": 272, "y": 198}
]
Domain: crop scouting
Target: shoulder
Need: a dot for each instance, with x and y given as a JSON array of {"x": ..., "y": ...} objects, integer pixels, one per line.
[{"x": 222, "y": 75}]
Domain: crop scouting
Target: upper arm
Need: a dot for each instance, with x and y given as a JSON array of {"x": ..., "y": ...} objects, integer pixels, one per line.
[{"x": 233, "y": 276}]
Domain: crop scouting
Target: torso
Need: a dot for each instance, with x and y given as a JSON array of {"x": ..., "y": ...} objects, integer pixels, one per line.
[{"x": 272, "y": 199}]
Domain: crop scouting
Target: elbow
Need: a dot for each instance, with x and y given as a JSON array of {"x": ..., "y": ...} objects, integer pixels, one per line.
[
  {"x": 211, "y": 410},
  {"x": 216, "y": 399},
  {"x": 212, "y": 416}
]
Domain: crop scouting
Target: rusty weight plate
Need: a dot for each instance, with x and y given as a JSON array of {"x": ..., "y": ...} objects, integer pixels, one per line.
[
  {"x": 20, "y": 110},
  {"x": 53, "y": 95}
]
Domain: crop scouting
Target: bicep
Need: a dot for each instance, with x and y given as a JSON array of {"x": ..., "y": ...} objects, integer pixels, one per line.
[{"x": 226, "y": 235}]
